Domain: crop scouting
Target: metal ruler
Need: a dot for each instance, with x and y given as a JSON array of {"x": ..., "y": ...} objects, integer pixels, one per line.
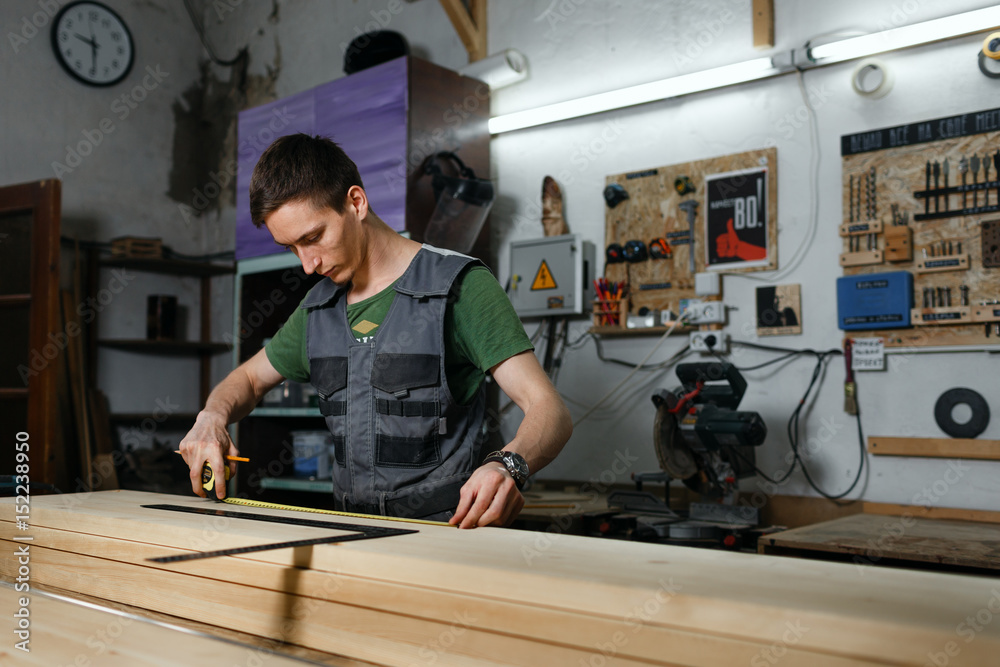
[{"x": 356, "y": 531}]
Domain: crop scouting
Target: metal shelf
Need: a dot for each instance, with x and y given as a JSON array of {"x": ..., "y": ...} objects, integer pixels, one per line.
[
  {"x": 293, "y": 484},
  {"x": 177, "y": 267},
  {"x": 165, "y": 346}
]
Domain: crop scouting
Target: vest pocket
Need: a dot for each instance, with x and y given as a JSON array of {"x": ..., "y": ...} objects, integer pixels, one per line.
[
  {"x": 397, "y": 374},
  {"x": 339, "y": 453},
  {"x": 329, "y": 375},
  {"x": 397, "y": 452}
]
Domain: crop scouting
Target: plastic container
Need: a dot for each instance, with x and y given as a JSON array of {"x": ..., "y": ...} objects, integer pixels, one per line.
[{"x": 311, "y": 451}]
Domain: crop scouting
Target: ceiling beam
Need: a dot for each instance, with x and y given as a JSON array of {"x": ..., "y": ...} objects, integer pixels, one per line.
[
  {"x": 469, "y": 21},
  {"x": 763, "y": 24}
]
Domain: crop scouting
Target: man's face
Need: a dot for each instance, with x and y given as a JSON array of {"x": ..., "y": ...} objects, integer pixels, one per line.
[{"x": 328, "y": 243}]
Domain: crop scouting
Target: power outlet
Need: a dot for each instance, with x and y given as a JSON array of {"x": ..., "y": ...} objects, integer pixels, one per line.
[
  {"x": 706, "y": 312},
  {"x": 709, "y": 341}
]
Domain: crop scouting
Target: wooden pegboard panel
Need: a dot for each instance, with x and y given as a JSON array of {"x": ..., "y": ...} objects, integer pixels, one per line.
[
  {"x": 653, "y": 210},
  {"x": 953, "y": 226}
]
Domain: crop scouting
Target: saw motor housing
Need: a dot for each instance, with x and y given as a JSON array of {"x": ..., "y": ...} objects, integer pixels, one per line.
[{"x": 699, "y": 436}]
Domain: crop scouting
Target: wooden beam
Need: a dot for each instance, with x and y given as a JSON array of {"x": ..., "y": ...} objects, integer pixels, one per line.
[
  {"x": 946, "y": 448},
  {"x": 470, "y": 24},
  {"x": 763, "y": 24}
]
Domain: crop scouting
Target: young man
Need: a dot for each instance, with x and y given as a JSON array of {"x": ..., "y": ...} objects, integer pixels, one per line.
[{"x": 397, "y": 343}]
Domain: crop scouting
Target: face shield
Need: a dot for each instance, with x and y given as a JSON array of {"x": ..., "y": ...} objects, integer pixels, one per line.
[{"x": 463, "y": 202}]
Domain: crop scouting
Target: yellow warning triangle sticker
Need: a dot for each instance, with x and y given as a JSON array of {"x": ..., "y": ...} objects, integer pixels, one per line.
[{"x": 543, "y": 279}]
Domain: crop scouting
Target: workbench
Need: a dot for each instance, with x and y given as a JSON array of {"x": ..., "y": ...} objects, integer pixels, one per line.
[
  {"x": 493, "y": 596},
  {"x": 870, "y": 539}
]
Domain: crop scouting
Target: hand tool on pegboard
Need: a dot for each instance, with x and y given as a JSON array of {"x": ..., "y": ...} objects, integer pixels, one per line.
[
  {"x": 974, "y": 164},
  {"x": 850, "y": 199},
  {"x": 996, "y": 172},
  {"x": 850, "y": 388},
  {"x": 963, "y": 168},
  {"x": 690, "y": 207},
  {"x": 944, "y": 168},
  {"x": 927, "y": 187}
]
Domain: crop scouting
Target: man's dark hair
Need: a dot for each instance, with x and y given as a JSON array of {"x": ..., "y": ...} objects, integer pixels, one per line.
[{"x": 299, "y": 167}]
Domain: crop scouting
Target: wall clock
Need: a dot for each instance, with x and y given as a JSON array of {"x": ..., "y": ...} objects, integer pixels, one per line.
[{"x": 92, "y": 43}]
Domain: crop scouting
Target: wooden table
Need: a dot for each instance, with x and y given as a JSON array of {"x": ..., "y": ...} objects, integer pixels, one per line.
[
  {"x": 870, "y": 539},
  {"x": 443, "y": 596}
]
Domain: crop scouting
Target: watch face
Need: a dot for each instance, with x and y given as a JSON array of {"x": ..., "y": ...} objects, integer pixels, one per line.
[
  {"x": 92, "y": 43},
  {"x": 518, "y": 464}
]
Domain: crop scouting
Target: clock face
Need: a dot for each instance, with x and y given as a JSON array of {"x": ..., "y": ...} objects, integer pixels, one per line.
[{"x": 92, "y": 43}]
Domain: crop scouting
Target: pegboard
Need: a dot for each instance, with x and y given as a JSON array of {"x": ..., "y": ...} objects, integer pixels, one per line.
[
  {"x": 925, "y": 198},
  {"x": 653, "y": 210}
]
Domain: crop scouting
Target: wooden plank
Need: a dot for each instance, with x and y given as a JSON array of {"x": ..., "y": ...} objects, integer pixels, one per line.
[
  {"x": 547, "y": 595},
  {"x": 253, "y": 642},
  {"x": 871, "y": 538},
  {"x": 949, "y": 448},
  {"x": 78, "y": 391},
  {"x": 763, "y": 24},
  {"x": 956, "y": 513},
  {"x": 70, "y": 632}
]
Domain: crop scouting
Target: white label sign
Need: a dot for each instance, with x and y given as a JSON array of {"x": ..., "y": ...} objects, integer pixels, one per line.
[{"x": 868, "y": 354}]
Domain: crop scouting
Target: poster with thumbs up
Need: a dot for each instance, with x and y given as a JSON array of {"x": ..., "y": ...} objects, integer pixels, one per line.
[{"x": 736, "y": 220}]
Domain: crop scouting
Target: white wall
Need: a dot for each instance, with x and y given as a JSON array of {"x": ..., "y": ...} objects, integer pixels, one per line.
[{"x": 577, "y": 48}]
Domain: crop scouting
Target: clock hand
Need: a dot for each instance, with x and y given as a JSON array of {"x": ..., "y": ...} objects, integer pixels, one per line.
[{"x": 85, "y": 40}]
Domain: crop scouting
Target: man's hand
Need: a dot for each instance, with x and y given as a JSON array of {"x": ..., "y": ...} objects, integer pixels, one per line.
[
  {"x": 489, "y": 498},
  {"x": 208, "y": 440}
]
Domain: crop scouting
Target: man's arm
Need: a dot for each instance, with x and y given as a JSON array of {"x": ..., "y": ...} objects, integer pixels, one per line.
[
  {"x": 230, "y": 401},
  {"x": 490, "y": 497}
]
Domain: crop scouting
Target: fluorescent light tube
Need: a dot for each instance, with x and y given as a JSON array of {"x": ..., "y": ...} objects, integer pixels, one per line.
[
  {"x": 979, "y": 20},
  {"x": 685, "y": 84}
]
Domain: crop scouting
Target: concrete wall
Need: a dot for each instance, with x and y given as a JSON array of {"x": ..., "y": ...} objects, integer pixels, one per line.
[{"x": 114, "y": 149}]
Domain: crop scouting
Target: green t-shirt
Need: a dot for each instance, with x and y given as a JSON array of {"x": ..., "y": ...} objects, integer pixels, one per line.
[{"x": 481, "y": 330}]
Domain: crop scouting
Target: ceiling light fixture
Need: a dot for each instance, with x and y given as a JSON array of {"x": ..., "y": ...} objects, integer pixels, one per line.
[{"x": 935, "y": 30}]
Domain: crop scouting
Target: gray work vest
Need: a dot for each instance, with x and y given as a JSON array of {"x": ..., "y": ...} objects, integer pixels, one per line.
[{"x": 402, "y": 446}]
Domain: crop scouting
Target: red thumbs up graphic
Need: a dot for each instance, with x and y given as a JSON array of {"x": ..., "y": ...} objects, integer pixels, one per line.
[{"x": 728, "y": 244}]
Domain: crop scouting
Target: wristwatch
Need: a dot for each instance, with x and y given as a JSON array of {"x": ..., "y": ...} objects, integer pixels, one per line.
[{"x": 515, "y": 464}]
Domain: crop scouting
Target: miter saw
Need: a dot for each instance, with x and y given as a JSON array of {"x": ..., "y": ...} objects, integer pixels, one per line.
[
  {"x": 701, "y": 439},
  {"x": 699, "y": 436}
]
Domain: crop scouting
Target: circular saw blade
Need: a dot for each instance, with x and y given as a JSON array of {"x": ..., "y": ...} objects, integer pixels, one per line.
[{"x": 671, "y": 451}]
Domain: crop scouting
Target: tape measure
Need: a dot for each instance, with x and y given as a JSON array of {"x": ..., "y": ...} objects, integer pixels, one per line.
[
  {"x": 208, "y": 478},
  {"x": 208, "y": 483}
]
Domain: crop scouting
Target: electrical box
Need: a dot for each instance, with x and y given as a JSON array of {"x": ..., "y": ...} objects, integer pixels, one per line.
[
  {"x": 875, "y": 300},
  {"x": 552, "y": 276}
]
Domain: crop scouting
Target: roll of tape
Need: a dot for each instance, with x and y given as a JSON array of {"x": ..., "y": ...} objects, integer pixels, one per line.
[
  {"x": 991, "y": 46},
  {"x": 871, "y": 78}
]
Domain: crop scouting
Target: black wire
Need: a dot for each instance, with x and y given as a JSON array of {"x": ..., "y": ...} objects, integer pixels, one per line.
[
  {"x": 792, "y": 427},
  {"x": 628, "y": 364}
]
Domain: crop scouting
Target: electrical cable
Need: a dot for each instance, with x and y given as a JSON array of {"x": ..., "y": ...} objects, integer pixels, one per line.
[
  {"x": 814, "y": 162},
  {"x": 635, "y": 370},
  {"x": 792, "y": 427},
  {"x": 200, "y": 29}
]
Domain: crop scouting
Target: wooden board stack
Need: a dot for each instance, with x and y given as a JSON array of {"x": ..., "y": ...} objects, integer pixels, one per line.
[{"x": 490, "y": 596}]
